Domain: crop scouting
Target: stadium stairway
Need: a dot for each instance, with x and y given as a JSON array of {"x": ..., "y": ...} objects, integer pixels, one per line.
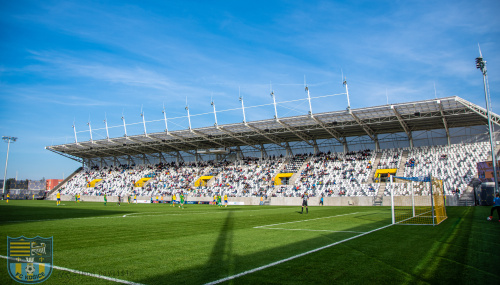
[
  {"x": 467, "y": 198},
  {"x": 205, "y": 172},
  {"x": 211, "y": 182},
  {"x": 297, "y": 174},
  {"x": 278, "y": 171},
  {"x": 374, "y": 165},
  {"x": 65, "y": 180},
  {"x": 267, "y": 202},
  {"x": 377, "y": 201},
  {"x": 497, "y": 150},
  {"x": 402, "y": 162}
]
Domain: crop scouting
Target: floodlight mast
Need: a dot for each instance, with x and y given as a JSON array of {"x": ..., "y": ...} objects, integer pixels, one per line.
[
  {"x": 242, "y": 107},
  {"x": 215, "y": 113},
  {"x": 144, "y": 122},
  {"x": 8, "y": 140},
  {"x": 309, "y": 99},
  {"x": 90, "y": 131},
  {"x": 124, "y": 125},
  {"x": 274, "y": 103},
  {"x": 106, "y": 124},
  {"x": 165, "y": 118},
  {"x": 187, "y": 109},
  {"x": 74, "y": 130},
  {"x": 481, "y": 65},
  {"x": 344, "y": 82}
]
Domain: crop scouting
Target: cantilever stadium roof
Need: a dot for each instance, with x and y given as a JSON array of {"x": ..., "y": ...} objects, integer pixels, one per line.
[{"x": 443, "y": 113}]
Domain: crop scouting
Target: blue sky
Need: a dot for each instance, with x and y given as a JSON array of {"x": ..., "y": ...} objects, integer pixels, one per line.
[{"x": 79, "y": 61}]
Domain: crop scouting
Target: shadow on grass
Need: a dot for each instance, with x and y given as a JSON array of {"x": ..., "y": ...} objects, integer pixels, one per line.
[
  {"x": 223, "y": 262},
  {"x": 24, "y": 213}
]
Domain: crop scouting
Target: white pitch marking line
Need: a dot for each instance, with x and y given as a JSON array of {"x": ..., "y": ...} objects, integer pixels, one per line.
[
  {"x": 304, "y": 220},
  {"x": 127, "y": 215},
  {"x": 85, "y": 273},
  {"x": 141, "y": 213},
  {"x": 313, "y": 230},
  {"x": 291, "y": 258}
]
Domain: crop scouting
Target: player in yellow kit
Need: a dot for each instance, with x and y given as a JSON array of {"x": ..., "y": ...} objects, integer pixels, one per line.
[
  {"x": 58, "y": 198},
  {"x": 225, "y": 200},
  {"x": 173, "y": 200}
]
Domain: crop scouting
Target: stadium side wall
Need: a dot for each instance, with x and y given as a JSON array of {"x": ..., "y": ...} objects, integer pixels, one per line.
[{"x": 288, "y": 201}]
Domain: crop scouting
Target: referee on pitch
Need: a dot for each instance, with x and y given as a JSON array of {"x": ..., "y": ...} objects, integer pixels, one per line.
[{"x": 305, "y": 197}]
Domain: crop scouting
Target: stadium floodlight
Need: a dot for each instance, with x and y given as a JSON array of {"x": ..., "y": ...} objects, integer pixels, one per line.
[
  {"x": 215, "y": 113},
  {"x": 124, "y": 125},
  {"x": 187, "y": 109},
  {"x": 481, "y": 65},
  {"x": 165, "y": 118},
  {"x": 274, "y": 103},
  {"x": 74, "y": 130},
  {"x": 90, "y": 132},
  {"x": 344, "y": 82},
  {"x": 242, "y": 106},
  {"x": 144, "y": 122},
  {"x": 308, "y": 96},
  {"x": 8, "y": 140},
  {"x": 106, "y": 125}
]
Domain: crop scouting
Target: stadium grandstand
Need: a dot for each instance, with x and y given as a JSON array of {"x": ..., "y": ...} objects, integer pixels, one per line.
[{"x": 344, "y": 156}]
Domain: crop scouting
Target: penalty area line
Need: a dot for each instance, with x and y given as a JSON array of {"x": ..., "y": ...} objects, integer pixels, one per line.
[
  {"x": 85, "y": 273},
  {"x": 292, "y": 257},
  {"x": 300, "y": 221},
  {"x": 308, "y": 230}
]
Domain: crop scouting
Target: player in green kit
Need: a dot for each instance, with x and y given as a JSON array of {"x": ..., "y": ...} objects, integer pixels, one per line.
[
  {"x": 219, "y": 202},
  {"x": 105, "y": 199},
  {"x": 182, "y": 201}
]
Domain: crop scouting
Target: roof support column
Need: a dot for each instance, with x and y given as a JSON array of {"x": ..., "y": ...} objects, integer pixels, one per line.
[
  {"x": 161, "y": 157},
  {"x": 178, "y": 158},
  {"x": 103, "y": 161},
  {"x": 445, "y": 123},
  {"x": 197, "y": 158},
  {"x": 92, "y": 162},
  {"x": 239, "y": 153},
  {"x": 404, "y": 125},
  {"x": 263, "y": 153},
  {"x": 367, "y": 129},
  {"x": 289, "y": 152},
  {"x": 316, "y": 148}
]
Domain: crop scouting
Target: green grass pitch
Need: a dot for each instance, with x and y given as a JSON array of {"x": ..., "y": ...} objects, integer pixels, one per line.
[{"x": 159, "y": 244}]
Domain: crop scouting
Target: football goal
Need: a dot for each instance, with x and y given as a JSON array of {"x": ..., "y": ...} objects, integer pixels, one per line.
[{"x": 417, "y": 200}]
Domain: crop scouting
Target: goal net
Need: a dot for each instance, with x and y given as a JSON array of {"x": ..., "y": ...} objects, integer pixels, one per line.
[{"x": 417, "y": 200}]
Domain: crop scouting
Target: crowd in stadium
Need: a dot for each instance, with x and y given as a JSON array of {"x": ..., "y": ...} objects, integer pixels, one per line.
[{"x": 323, "y": 174}]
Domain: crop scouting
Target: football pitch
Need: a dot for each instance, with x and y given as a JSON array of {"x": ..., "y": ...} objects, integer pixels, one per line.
[{"x": 160, "y": 244}]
